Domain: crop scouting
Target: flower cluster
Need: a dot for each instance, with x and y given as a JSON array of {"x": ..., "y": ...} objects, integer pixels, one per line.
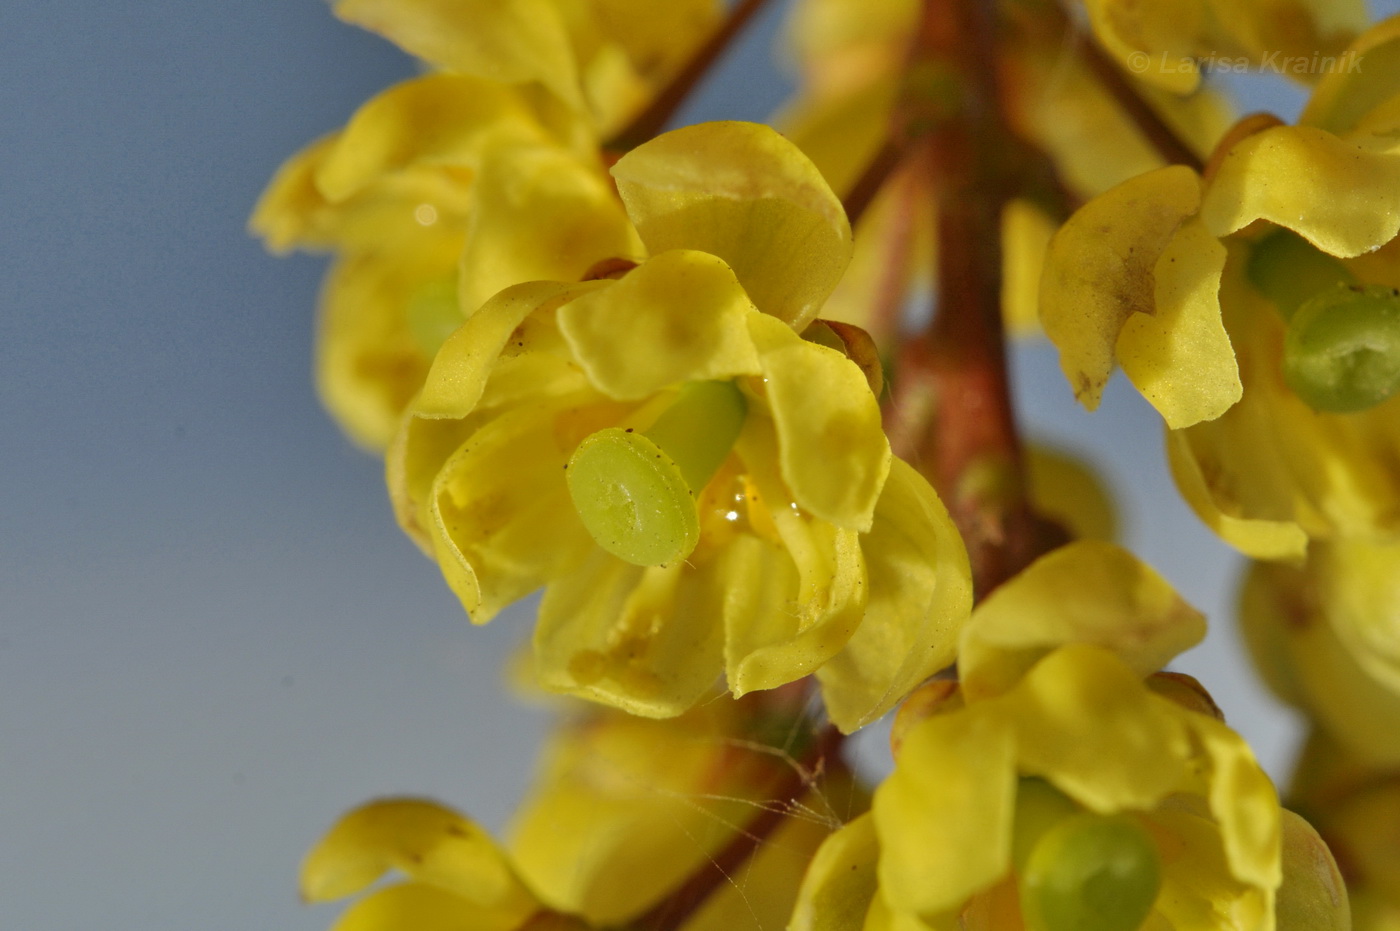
[{"x": 644, "y": 374}]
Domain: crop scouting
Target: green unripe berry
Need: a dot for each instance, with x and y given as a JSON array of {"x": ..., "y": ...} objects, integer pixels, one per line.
[
  {"x": 432, "y": 314},
  {"x": 1091, "y": 873},
  {"x": 1039, "y": 807},
  {"x": 1342, "y": 351}
]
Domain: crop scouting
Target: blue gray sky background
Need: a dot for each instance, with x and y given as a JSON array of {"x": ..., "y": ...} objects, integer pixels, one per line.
[{"x": 212, "y": 637}]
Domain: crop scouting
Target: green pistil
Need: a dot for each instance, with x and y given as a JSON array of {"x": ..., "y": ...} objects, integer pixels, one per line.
[
  {"x": 1342, "y": 351},
  {"x": 1091, "y": 873},
  {"x": 635, "y": 492},
  {"x": 1288, "y": 270}
]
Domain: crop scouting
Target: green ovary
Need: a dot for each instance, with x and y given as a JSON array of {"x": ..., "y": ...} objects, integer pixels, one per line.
[
  {"x": 636, "y": 492},
  {"x": 1342, "y": 351},
  {"x": 1287, "y": 269},
  {"x": 1091, "y": 873},
  {"x": 432, "y": 314}
]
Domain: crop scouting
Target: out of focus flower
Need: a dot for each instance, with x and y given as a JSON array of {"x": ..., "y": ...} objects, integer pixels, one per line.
[
  {"x": 1254, "y": 310},
  {"x": 1326, "y": 635},
  {"x": 698, "y": 488}
]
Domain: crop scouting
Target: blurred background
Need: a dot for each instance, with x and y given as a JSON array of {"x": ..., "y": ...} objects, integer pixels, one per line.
[{"x": 212, "y": 638}]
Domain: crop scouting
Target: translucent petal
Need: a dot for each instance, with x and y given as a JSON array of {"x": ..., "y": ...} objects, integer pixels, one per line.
[
  {"x": 831, "y": 443},
  {"x": 1081, "y": 705},
  {"x": 647, "y": 641},
  {"x": 944, "y": 816},
  {"x": 744, "y": 193},
  {"x": 1180, "y": 357},
  {"x": 432, "y": 844},
  {"x": 680, "y": 316},
  {"x": 1101, "y": 269},
  {"x": 438, "y": 118},
  {"x": 423, "y": 908},
  {"x": 788, "y": 608},
  {"x": 1085, "y": 592},
  {"x": 841, "y": 881},
  {"x": 1340, "y": 196},
  {"x": 539, "y": 214},
  {"x": 920, "y": 594},
  {"x": 516, "y": 42},
  {"x": 501, "y": 520}
]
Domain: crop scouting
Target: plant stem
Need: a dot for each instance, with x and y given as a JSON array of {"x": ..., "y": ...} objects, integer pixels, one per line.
[
  {"x": 651, "y": 120},
  {"x": 951, "y": 411},
  {"x": 678, "y": 907}
]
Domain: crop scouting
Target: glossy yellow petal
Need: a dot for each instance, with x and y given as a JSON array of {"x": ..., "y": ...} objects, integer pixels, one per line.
[
  {"x": 1081, "y": 705},
  {"x": 1101, "y": 270},
  {"x": 368, "y": 364},
  {"x": 432, "y": 844},
  {"x": 1257, "y": 537},
  {"x": 788, "y": 608},
  {"x": 516, "y": 42},
  {"x": 1198, "y": 891},
  {"x": 1346, "y": 94},
  {"x": 680, "y": 316},
  {"x": 944, "y": 816},
  {"x": 1065, "y": 489},
  {"x": 501, "y": 519},
  {"x": 1180, "y": 356},
  {"x": 840, "y": 882},
  {"x": 423, "y": 908},
  {"x": 442, "y": 118},
  {"x": 538, "y": 213},
  {"x": 920, "y": 594},
  {"x": 1243, "y": 801},
  {"x": 1156, "y": 42},
  {"x": 831, "y": 444},
  {"x": 744, "y": 193},
  {"x": 647, "y": 641},
  {"x": 1340, "y": 196},
  {"x": 1086, "y": 592}
]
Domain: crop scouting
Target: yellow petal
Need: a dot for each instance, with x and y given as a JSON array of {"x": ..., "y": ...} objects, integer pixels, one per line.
[
  {"x": 1086, "y": 592},
  {"x": 832, "y": 446},
  {"x": 1155, "y": 41},
  {"x": 920, "y": 592},
  {"x": 1347, "y": 93},
  {"x": 1340, "y": 196},
  {"x": 516, "y": 42},
  {"x": 1180, "y": 357},
  {"x": 840, "y": 882},
  {"x": 790, "y": 607},
  {"x": 432, "y": 844},
  {"x": 1243, "y": 801},
  {"x": 441, "y": 118},
  {"x": 1025, "y": 236},
  {"x": 501, "y": 519},
  {"x": 291, "y": 196},
  {"x": 944, "y": 817},
  {"x": 647, "y": 641},
  {"x": 1100, "y": 271},
  {"x": 1359, "y": 589},
  {"x": 680, "y": 316},
  {"x": 744, "y": 193},
  {"x": 1081, "y": 705},
  {"x": 423, "y": 908},
  {"x": 1198, "y": 890},
  {"x": 539, "y": 214}
]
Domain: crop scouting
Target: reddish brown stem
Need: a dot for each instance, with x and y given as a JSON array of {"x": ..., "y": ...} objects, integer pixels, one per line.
[
  {"x": 951, "y": 412},
  {"x": 651, "y": 120},
  {"x": 677, "y": 908},
  {"x": 863, "y": 192}
]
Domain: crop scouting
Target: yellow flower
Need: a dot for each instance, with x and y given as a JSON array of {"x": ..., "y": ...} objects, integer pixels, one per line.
[
  {"x": 761, "y": 527},
  {"x": 1160, "y": 42},
  {"x": 1186, "y": 284},
  {"x": 623, "y": 811},
  {"x": 1054, "y": 775},
  {"x": 1327, "y": 636}
]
